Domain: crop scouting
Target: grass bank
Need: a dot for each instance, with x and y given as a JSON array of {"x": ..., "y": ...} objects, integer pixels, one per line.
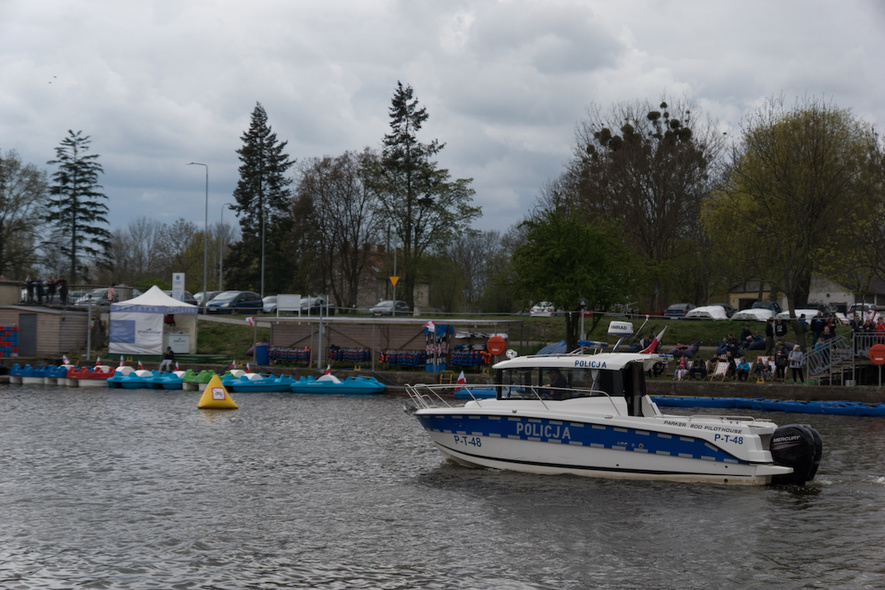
[{"x": 234, "y": 339}]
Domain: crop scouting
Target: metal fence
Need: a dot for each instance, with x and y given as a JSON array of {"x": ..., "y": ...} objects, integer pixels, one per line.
[{"x": 836, "y": 360}]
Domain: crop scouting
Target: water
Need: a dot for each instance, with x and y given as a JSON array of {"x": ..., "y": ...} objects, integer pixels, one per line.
[{"x": 140, "y": 489}]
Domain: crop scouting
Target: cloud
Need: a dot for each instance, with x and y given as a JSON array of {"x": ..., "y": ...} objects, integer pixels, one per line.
[{"x": 157, "y": 84}]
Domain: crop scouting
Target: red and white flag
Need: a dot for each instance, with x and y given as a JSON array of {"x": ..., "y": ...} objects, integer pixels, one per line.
[
  {"x": 233, "y": 364},
  {"x": 462, "y": 380},
  {"x": 248, "y": 368},
  {"x": 653, "y": 347},
  {"x": 328, "y": 370},
  {"x": 177, "y": 368},
  {"x": 140, "y": 366},
  {"x": 430, "y": 326},
  {"x": 64, "y": 360},
  {"x": 98, "y": 361},
  {"x": 121, "y": 360},
  {"x": 250, "y": 320}
]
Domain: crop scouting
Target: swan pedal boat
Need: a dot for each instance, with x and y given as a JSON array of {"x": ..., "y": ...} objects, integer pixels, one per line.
[{"x": 600, "y": 422}]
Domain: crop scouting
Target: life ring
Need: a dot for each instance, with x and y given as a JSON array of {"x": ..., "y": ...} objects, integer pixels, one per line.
[{"x": 496, "y": 345}]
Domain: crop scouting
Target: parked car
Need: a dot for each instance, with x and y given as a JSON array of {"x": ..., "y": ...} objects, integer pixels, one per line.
[
  {"x": 235, "y": 302},
  {"x": 389, "y": 307},
  {"x": 729, "y": 308},
  {"x": 270, "y": 304},
  {"x": 209, "y": 296},
  {"x": 315, "y": 305},
  {"x": 95, "y": 296},
  {"x": 866, "y": 309},
  {"x": 678, "y": 310},
  {"x": 759, "y": 312},
  {"x": 807, "y": 312},
  {"x": 186, "y": 297},
  {"x": 100, "y": 296},
  {"x": 707, "y": 312},
  {"x": 543, "y": 309}
]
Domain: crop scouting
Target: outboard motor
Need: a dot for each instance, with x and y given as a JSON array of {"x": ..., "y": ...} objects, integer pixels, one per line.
[{"x": 798, "y": 446}]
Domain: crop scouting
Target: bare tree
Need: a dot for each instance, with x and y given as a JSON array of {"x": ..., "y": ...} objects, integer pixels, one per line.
[
  {"x": 649, "y": 167},
  {"x": 344, "y": 215},
  {"x": 474, "y": 254}
]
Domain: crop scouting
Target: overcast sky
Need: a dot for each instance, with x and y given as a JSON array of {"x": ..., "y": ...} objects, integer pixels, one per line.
[{"x": 159, "y": 83}]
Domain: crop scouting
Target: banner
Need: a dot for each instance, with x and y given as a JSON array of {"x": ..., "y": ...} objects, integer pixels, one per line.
[{"x": 135, "y": 333}]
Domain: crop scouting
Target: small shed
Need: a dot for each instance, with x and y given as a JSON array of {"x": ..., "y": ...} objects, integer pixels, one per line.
[
  {"x": 150, "y": 322},
  {"x": 46, "y": 332}
]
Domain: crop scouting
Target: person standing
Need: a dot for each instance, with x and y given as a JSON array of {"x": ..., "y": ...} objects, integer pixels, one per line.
[
  {"x": 38, "y": 287},
  {"x": 62, "y": 285},
  {"x": 780, "y": 329},
  {"x": 817, "y": 326},
  {"x": 781, "y": 361},
  {"x": 29, "y": 289},
  {"x": 797, "y": 359},
  {"x": 769, "y": 336},
  {"x": 51, "y": 286}
]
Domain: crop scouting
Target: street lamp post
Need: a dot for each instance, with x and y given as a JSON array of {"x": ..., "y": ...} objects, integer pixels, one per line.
[
  {"x": 205, "y": 233},
  {"x": 221, "y": 239}
]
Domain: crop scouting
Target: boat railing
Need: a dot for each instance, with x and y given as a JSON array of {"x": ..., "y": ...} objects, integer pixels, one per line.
[
  {"x": 425, "y": 395},
  {"x": 436, "y": 395}
]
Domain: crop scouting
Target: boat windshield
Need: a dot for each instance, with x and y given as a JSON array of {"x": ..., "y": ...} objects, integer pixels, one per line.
[{"x": 550, "y": 382}]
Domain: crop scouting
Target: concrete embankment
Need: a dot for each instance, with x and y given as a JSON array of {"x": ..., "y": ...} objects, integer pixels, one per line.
[{"x": 396, "y": 381}]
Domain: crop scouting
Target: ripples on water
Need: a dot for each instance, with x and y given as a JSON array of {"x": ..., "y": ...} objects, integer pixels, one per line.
[{"x": 140, "y": 489}]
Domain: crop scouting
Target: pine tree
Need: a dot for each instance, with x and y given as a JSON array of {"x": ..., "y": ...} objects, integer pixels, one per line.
[
  {"x": 263, "y": 207},
  {"x": 419, "y": 199},
  {"x": 77, "y": 206}
]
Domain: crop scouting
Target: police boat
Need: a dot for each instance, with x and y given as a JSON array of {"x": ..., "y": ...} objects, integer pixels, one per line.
[{"x": 587, "y": 413}]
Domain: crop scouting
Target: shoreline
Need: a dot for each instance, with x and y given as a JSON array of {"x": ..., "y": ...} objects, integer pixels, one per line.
[{"x": 396, "y": 381}]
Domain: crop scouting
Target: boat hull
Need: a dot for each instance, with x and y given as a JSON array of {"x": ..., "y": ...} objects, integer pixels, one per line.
[
  {"x": 91, "y": 383},
  {"x": 595, "y": 447}
]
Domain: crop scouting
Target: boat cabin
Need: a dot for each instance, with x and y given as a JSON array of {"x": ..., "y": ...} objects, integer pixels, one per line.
[{"x": 566, "y": 377}]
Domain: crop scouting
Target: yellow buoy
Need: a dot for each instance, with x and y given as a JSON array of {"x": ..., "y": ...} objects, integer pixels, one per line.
[{"x": 215, "y": 397}]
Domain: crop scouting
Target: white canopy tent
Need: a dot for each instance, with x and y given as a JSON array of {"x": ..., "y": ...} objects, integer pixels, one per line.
[{"x": 137, "y": 326}]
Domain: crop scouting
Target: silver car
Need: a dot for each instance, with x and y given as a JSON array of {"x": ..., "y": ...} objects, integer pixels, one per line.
[{"x": 389, "y": 307}]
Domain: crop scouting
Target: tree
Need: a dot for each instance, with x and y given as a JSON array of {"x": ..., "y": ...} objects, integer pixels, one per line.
[
  {"x": 23, "y": 191},
  {"x": 263, "y": 202},
  {"x": 650, "y": 169},
  {"x": 77, "y": 206},
  {"x": 419, "y": 199},
  {"x": 344, "y": 215},
  {"x": 182, "y": 251},
  {"x": 799, "y": 182},
  {"x": 565, "y": 259},
  {"x": 474, "y": 254}
]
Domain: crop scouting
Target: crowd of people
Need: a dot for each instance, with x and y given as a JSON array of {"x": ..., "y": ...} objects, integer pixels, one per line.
[
  {"x": 776, "y": 354},
  {"x": 730, "y": 361},
  {"x": 39, "y": 291},
  {"x": 737, "y": 366}
]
